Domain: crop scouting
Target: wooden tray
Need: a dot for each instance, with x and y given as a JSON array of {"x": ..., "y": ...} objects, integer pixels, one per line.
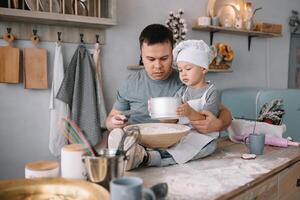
[
  {"x": 35, "y": 67},
  {"x": 9, "y": 62}
]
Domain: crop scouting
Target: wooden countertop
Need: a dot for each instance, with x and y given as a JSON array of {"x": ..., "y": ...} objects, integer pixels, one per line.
[{"x": 223, "y": 175}]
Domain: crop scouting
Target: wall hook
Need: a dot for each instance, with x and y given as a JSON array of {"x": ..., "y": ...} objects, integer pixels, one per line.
[
  {"x": 34, "y": 31},
  {"x": 97, "y": 38},
  {"x": 58, "y": 36},
  {"x": 8, "y": 30},
  {"x": 34, "y": 38},
  {"x": 81, "y": 37}
]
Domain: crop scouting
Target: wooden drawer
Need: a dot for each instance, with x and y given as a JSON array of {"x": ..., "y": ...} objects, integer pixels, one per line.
[
  {"x": 267, "y": 190},
  {"x": 287, "y": 183}
]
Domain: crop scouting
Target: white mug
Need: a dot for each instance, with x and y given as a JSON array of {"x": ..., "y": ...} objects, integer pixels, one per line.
[
  {"x": 42, "y": 169},
  {"x": 72, "y": 165}
]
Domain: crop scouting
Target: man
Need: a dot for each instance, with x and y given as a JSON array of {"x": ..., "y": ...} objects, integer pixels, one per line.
[{"x": 156, "y": 80}]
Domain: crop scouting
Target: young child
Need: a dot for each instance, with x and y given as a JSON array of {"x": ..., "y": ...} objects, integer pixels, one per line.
[{"x": 192, "y": 58}]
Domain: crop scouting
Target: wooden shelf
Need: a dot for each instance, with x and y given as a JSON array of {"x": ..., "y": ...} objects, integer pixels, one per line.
[
  {"x": 9, "y": 14},
  {"x": 250, "y": 34},
  {"x": 220, "y": 70},
  {"x": 100, "y": 15}
]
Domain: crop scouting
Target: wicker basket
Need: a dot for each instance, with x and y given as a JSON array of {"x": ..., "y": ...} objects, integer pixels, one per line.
[{"x": 222, "y": 65}]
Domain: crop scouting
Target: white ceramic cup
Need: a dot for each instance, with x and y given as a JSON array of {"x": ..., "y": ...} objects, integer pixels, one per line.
[
  {"x": 72, "y": 165},
  {"x": 129, "y": 188},
  {"x": 204, "y": 21},
  {"x": 42, "y": 169},
  {"x": 163, "y": 107}
]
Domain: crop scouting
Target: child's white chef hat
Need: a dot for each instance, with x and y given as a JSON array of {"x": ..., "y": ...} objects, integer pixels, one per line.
[{"x": 196, "y": 52}]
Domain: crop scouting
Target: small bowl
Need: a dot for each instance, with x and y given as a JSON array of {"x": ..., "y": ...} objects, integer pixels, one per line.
[
  {"x": 164, "y": 107},
  {"x": 161, "y": 135}
]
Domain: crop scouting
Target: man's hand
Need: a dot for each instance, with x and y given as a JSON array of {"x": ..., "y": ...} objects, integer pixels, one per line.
[
  {"x": 115, "y": 120},
  {"x": 209, "y": 124}
]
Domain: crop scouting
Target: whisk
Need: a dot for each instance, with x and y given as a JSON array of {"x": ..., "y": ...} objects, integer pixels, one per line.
[{"x": 74, "y": 135}]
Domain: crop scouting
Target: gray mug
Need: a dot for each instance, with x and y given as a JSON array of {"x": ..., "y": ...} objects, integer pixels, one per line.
[
  {"x": 255, "y": 143},
  {"x": 129, "y": 188}
]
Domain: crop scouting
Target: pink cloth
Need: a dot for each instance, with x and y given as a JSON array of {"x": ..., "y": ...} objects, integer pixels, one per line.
[{"x": 245, "y": 127}]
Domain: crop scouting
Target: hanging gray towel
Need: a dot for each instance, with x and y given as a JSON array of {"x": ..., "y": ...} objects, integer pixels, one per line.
[{"x": 78, "y": 90}]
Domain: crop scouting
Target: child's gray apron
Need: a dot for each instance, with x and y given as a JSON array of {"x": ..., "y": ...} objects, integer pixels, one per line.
[{"x": 194, "y": 141}]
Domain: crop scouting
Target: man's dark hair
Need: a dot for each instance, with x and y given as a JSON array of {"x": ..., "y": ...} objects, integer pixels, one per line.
[{"x": 156, "y": 33}]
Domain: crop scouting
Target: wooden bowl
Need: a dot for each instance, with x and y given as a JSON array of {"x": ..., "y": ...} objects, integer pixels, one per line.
[
  {"x": 51, "y": 188},
  {"x": 161, "y": 135}
]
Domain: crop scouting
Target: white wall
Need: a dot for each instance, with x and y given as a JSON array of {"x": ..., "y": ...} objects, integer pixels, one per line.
[{"x": 24, "y": 115}]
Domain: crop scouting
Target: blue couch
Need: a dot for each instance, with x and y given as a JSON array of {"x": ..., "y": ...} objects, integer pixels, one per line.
[{"x": 246, "y": 103}]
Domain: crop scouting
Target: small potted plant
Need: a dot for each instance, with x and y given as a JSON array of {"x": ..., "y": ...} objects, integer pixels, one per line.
[{"x": 272, "y": 112}]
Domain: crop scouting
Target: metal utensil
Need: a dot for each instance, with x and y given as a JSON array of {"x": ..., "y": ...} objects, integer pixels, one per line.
[
  {"x": 160, "y": 190},
  {"x": 134, "y": 132},
  {"x": 107, "y": 166},
  {"x": 110, "y": 162},
  {"x": 128, "y": 113}
]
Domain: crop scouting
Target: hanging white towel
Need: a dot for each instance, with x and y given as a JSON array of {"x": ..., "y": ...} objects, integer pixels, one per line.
[
  {"x": 58, "y": 109},
  {"x": 99, "y": 85}
]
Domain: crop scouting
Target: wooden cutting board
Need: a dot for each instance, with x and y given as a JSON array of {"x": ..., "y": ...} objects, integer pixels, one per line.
[
  {"x": 35, "y": 67},
  {"x": 9, "y": 62}
]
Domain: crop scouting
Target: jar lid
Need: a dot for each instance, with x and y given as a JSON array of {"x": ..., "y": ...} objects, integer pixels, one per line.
[
  {"x": 42, "y": 165},
  {"x": 73, "y": 147}
]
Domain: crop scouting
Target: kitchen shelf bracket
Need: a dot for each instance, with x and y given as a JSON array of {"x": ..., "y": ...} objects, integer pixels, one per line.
[
  {"x": 249, "y": 41},
  {"x": 211, "y": 34}
]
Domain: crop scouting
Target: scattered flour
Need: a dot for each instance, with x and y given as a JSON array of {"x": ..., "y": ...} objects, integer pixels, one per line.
[{"x": 209, "y": 178}]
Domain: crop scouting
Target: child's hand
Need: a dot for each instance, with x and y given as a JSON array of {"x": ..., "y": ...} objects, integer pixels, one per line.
[{"x": 184, "y": 110}]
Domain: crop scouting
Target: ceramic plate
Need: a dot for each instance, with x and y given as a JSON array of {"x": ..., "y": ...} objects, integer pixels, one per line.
[
  {"x": 164, "y": 117},
  {"x": 239, "y": 4},
  {"x": 210, "y": 8},
  {"x": 31, "y": 4},
  {"x": 45, "y": 6},
  {"x": 227, "y": 16},
  {"x": 69, "y": 7}
]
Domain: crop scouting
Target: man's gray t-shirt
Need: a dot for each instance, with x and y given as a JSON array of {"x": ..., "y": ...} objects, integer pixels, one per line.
[{"x": 138, "y": 88}]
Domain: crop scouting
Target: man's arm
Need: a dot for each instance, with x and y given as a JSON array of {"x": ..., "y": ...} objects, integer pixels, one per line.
[
  {"x": 211, "y": 123},
  {"x": 115, "y": 120}
]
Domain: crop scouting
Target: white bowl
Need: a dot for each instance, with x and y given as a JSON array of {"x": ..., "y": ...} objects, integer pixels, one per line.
[{"x": 164, "y": 107}]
